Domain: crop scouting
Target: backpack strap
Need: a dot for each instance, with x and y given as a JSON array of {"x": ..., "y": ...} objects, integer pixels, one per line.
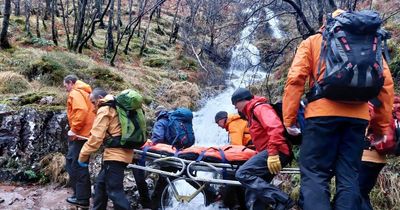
[
  {"x": 253, "y": 116},
  {"x": 142, "y": 160}
]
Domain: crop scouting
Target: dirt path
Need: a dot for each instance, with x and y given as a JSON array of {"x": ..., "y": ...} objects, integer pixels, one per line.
[{"x": 34, "y": 197}]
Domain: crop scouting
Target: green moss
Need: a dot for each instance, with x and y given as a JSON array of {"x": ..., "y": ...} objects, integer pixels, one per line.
[
  {"x": 37, "y": 42},
  {"x": 155, "y": 62},
  {"x": 105, "y": 78},
  {"x": 187, "y": 62},
  {"x": 34, "y": 97},
  {"x": 48, "y": 71}
]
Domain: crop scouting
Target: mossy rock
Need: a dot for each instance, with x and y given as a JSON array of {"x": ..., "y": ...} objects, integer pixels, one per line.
[
  {"x": 104, "y": 77},
  {"x": 47, "y": 71},
  {"x": 156, "y": 62},
  {"x": 13, "y": 83},
  {"x": 34, "y": 97}
]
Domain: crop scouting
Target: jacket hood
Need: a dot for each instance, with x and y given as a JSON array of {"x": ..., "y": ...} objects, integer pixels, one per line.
[
  {"x": 249, "y": 106},
  {"x": 231, "y": 118},
  {"x": 106, "y": 99},
  {"x": 80, "y": 85}
]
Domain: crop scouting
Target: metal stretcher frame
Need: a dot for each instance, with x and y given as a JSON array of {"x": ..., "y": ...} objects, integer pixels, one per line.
[{"x": 192, "y": 165}]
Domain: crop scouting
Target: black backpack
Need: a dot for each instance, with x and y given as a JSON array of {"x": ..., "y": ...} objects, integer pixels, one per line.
[{"x": 352, "y": 51}]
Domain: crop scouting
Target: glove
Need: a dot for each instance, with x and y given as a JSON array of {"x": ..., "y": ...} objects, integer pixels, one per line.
[
  {"x": 293, "y": 130},
  {"x": 274, "y": 164},
  {"x": 377, "y": 139},
  {"x": 83, "y": 164},
  {"x": 71, "y": 133}
]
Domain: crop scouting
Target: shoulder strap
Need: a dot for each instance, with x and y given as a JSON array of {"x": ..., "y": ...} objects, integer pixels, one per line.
[{"x": 253, "y": 116}]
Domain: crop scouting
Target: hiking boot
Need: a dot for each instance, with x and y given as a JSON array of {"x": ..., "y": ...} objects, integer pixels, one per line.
[
  {"x": 78, "y": 202},
  {"x": 285, "y": 206}
]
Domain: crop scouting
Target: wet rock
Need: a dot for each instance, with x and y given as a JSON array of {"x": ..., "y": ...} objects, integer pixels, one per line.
[{"x": 27, "y": 135}]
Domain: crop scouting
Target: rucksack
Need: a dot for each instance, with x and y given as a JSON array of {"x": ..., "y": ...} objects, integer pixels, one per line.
[
  {"x": 292, "y": 140},
  {"x": 131, "y": 117},
  {"x": 352, "y": 51},
  {"x": 180, "y": 128}
]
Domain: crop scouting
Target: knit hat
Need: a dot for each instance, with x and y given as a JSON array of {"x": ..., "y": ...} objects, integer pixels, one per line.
[
  {"x": 159, "y": 109},
  {"x": 221, "y": 115},
  {"x": 241, "y": 94}
]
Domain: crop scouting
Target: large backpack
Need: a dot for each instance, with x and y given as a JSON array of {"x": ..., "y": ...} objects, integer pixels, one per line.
[
  {"x": 180, "y": 128},
  {"x": 352, "y": 51},
  {"x": 292, "y": 140},
  {"x": 131, "y": 117}
]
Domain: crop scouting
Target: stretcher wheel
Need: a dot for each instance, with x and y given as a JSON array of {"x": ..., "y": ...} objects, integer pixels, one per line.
[{"x": 178, "y": 193}]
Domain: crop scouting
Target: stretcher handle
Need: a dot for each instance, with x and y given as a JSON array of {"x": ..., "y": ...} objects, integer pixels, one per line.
[{"x": 166, "y": 159}]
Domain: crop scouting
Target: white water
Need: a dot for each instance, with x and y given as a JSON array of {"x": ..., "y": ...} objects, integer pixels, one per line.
[{"x": 244, "y": 69}]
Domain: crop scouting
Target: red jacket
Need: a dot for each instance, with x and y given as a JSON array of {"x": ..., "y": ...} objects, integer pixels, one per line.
[{"x": 267, "y": 129}]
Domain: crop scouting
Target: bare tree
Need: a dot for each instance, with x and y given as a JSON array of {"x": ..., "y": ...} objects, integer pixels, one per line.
[
  {"x": 110, "y": 38},
  {"x": 53, "y": 22},
  {"x": 80, "y": 22},
  {"x": 38, "y": 13},
  {"x": 28, "y": 5},
  {"x": 174, "y": 22},
  {"x": 119, "y": 20},
  {"x": 6, "y": 22},
  {"x": 98, "y": 4},
  {"x": 17, "y": 7}
]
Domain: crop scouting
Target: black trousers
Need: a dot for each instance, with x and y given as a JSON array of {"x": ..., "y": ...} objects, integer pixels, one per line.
[
  {"x": 368, "y": 174},
  {"x": 141, "y": 184},
  {"x": 331, "y": 147},
  {"x": 109, "y": 185},
  {"x": 79, "y": 176}
]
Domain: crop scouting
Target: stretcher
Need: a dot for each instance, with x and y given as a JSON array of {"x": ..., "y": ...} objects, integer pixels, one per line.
[{"x": 186, "y": 170}]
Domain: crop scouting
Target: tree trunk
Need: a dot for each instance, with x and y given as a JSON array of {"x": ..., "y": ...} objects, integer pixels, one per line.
[
  {"x": 81, "y": 22},
  {"x": 110, "y": 38},
  {"x": 17, "y": 8},
  {"x": 130, "y": 4},
  {"x": 119, "y": 20},
  {"x": 301, "y": 16},
  {"x": 140, "y": 5},
  {"x": 6, "y": 22},
  {"x": 320, "y": 11},
  {"x": 38, "y": 13},
  {"x": 65, "y": 17},
  {"x": 28, "y": 5},
  {"x": 174, "y": 21},
  {"x": 47, "y": 11},
  {"x": 146, "y": 34},
  {"x": 53, "y": 22},
  {"x": 98, "y": 4}
]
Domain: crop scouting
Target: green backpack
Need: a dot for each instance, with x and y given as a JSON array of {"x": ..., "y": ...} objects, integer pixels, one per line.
[{"x": 133, "y": 123}]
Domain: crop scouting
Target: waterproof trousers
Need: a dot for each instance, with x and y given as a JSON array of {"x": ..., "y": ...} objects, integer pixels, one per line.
[
  {"x": 255, "y": 177},
  {"x": 331, "y": 147},
  {"x": 368, "y": 174},
  {"x": 109, "y": 185},
  {"x": 78, "y": 176},
  {"x": 141, "y": 184}
]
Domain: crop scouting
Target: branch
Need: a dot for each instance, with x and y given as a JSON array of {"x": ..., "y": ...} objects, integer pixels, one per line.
[
  {"x": 197, "y": 57},
  {"x": 301, "y": 15}
]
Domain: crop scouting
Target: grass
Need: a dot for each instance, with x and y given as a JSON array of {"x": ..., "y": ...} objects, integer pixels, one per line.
[{"x": 13, "y": 83}]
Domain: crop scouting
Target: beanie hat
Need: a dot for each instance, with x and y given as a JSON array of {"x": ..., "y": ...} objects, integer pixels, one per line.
[
  {"x": 221, "y": 115},
  {"x": 241, "y": 94}
]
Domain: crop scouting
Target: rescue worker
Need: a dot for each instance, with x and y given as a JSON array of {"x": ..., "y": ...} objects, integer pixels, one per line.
[
  {"x": 159, "y": 133},
  {"x": 109, "y": 182},
  {"x": 80, "y": 116},
  {"x": 237, "y": 128},
  {"x": 267, "y": 133},
  {"x": 334, "y": 134}
]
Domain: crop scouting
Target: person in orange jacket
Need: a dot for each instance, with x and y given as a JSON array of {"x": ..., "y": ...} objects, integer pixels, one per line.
[
  {"x": 334, "y": 134},
  {"x": 237, "y": 128},
  {"x": 80, "y": 116},
  {"x": 109, "y": 181}
]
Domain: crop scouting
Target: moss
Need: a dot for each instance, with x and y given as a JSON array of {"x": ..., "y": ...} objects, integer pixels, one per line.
[
  {"x": 149, "y": 50},
  {"x": 155, "y": 62},
  {"x": 13, "y": 83},
  {"x": 105, "y": 78},
  {"x": 34, "y": 97},
  {"x": 37, "y": 41},
  {"x": 47, "y": 71}
]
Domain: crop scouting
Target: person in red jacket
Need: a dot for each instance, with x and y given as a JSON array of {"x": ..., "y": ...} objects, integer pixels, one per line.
[{"x": 267, "y": 133}]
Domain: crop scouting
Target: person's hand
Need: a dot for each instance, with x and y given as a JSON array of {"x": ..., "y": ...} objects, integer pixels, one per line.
[
  {"x": 377, "y": 139},
  {"x": 71, "y": 133},
  {"x": 274, "y": 164},
  {"x": 293, "y": 130},
  {"x": 83, "y": 164}
]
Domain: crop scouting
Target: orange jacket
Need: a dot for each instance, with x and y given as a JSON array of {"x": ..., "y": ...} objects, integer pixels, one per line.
[
  {"x": 79, "y": 109},
  {"x": 238, "y": 130},
  {"x": 305, "y": 64},
  {"x": 106, "y": 122}
]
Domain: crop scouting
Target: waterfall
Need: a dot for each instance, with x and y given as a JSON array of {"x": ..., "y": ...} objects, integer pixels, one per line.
[{"x": 244, "y": 69}]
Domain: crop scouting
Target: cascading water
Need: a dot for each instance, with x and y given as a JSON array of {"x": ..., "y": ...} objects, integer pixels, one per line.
[{"x": 244, "y": 69}]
